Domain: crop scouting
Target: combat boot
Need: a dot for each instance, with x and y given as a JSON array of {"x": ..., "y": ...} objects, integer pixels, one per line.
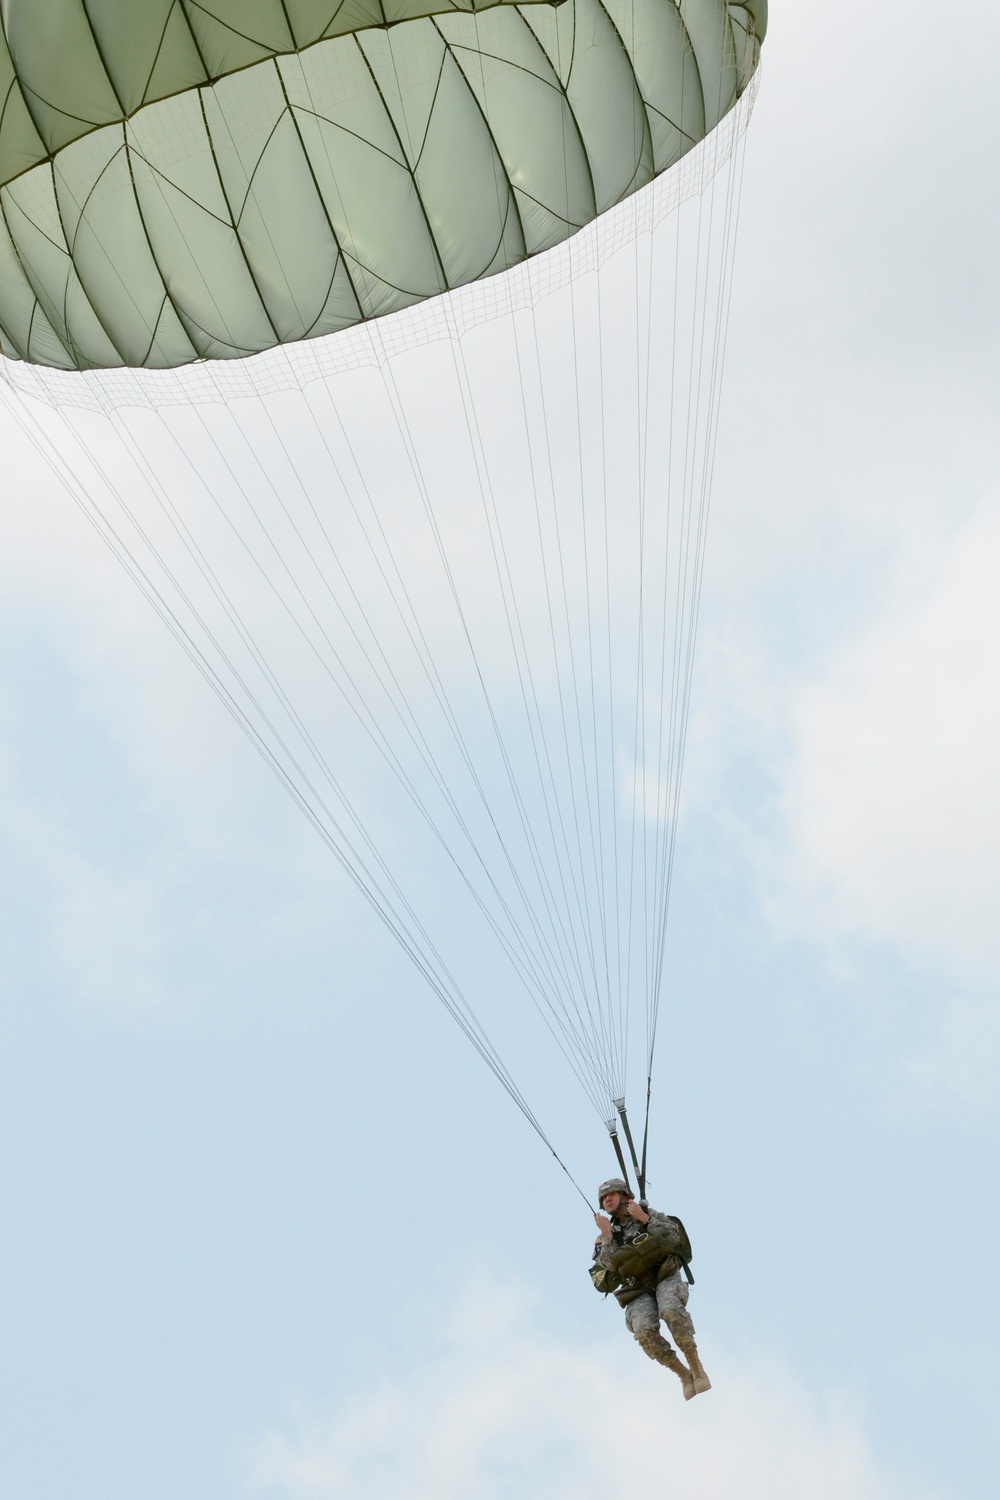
[
  {"x": 700, "y": 1381},
  {"x": 652, "y": 1342}
]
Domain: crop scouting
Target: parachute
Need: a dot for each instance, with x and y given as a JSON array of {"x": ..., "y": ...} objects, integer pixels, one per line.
[{"x": 382, "y": 343}]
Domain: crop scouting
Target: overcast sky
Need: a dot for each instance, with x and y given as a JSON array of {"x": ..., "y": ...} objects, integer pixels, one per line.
[{"x": 269, "y": 1229}]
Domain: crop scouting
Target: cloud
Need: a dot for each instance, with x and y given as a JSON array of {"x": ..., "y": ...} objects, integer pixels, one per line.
[
  {"x": 503, "y": 1410},
  {"x": 122, "y": 782},
  {"x": 854, "y": 775},
  {"x": 891, "y": 803}
]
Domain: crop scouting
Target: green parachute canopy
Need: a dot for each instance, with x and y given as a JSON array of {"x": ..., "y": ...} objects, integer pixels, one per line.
[
  {"x": 183, "y": 180},
  {"x": 444, "y": 569}
]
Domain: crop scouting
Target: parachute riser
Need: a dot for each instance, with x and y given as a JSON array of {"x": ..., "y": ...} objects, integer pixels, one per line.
[
  {"x": 640, "y": 1171},
  {"x": 613, "y": 1133},
  {"x": 645, "y": 1137}
]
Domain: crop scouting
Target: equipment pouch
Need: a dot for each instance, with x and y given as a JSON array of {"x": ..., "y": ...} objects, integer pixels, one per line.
[
  {"x": 629, "y": 1292},
  {"x": 604, "y": 1280},
  {"x": 647, "y": 1252}
]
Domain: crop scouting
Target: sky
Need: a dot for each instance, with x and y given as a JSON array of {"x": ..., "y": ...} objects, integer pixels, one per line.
[{"x": 270, "y": 1229}]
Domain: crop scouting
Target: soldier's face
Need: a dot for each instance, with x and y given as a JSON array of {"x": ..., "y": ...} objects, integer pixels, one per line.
[{"x": 611, "y": 1202}]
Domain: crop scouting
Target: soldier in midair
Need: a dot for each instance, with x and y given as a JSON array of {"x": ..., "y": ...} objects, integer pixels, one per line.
[{"x": 639, "y": 1255}]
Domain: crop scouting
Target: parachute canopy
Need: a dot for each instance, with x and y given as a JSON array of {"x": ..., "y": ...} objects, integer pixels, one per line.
[
  {"x": 183, "y": 180},
  {"x": 443, "y": 568}
]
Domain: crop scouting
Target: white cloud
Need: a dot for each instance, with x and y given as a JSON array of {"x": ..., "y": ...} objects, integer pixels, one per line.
[
  {"x": 506, "y": 1411},
  {"x": 892, "y": 801},
  {"x": 167, "y": 754},
  {"x": 862, "y": 793}
]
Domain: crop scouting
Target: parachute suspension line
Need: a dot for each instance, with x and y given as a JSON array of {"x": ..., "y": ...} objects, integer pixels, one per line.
[
  {"x": 426, "y": 959},
  {"x": 678, "y": 496},
  {"x": 356, "y": 704},
  {"x": 735, "y": 171},
  {"x": 520, "y": 954},
  {"x": 513, "y": 615},
  {"x": 576, "y": 714},
  {"x": 644, "y": 316},
  {"x": 438, "y": 688},
  {"x": 667, "y": 721},
  {"x": 684, "y": 495},
  {"x": 535, "y": 719},
  {"x": 508, "y": 861},
  {"x": 499, "y": 552},
  {"x": 406, "y": 436},
  {"x": 526, "y": 977},
  {"x": 561, "y": 846},
  {"x": 591, "y": 783},
  {"x": 699, "y": 448},
  {"x": 566, "y": 717},
  {"x": 525, "y": 954},
  {"x": 642, "y": 309},
  {"x": 592, "y": 797},
  {"x": 593, "y": 793},
  {"x": 200, "y": 620},
  {"x": 663, "y": 783},
  {"x": 614, "y": 989},
  {"x": 694, "y": 566},
  {"x": 640, "y": 805},
  {"x": 446, "y": 792},
  {"x": 523, "y": 959},
  {"x": 652, "y": 836}
]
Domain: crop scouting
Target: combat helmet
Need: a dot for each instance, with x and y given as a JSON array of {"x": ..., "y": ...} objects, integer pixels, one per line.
[{"x": 614, "y": 1185}]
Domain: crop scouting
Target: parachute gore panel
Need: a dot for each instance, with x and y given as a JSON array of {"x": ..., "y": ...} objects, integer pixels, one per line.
[{"x": 182, "y": 181}]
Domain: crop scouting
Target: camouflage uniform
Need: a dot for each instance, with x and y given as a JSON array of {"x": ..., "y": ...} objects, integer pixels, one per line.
[{"x": 663, "y": 1293}]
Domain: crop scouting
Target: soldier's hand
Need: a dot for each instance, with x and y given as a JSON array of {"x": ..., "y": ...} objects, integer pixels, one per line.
[
  {"x": 639, "y": 1214},
  {"x": 604, "y": 1225}
]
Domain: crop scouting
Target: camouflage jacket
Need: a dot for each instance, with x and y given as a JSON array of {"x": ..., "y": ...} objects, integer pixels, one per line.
[{"x": 623, "y": 1229}]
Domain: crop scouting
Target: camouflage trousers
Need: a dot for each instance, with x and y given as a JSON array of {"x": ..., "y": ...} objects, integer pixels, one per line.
[{"x": 669, "y": 1302}]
